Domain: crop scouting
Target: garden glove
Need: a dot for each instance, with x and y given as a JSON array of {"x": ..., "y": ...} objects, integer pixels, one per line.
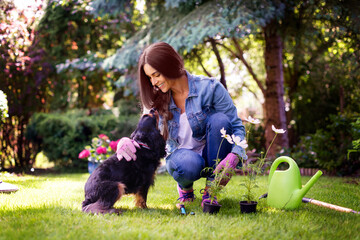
[
  {"x": 230, "y": 161},
  {"x": 126, "y": 148}
]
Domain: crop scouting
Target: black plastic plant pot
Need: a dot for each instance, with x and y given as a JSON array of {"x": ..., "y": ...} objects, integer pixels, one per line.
[
  {"x": 211, "y": 208},
  {"x": 248, "y": 207}
]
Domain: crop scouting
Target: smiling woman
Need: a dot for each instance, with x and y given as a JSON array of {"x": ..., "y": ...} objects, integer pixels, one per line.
[{"x": 192, "y": 109}]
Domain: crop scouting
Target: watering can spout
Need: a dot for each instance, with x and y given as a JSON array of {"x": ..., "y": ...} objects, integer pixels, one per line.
[{"x": 310, "y": 183}]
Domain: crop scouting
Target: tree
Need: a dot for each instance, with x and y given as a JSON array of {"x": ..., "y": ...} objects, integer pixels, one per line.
[
  {"x": 68, "y": 34},
  {"x": 207, "y": 22},
  {"x": 77, "y": 36},
  {"x": 24, "y": 80},
  {"x": 295, "y": 66},
  {"x": 321, "y": 62},
  {"x": 274, "y": 96}
]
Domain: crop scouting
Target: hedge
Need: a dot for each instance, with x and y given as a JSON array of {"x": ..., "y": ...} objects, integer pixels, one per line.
[{"x": 61, "y": 136}]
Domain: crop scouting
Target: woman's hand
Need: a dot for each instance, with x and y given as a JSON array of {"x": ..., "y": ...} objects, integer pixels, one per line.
[
  {"x": 230, "y": 161},
  {"x": 126, "y": 148}
]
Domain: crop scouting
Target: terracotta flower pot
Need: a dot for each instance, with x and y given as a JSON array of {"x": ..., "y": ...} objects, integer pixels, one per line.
[
  {"x": 211, "y": 208},
  {"x": 248, "y": 207}
]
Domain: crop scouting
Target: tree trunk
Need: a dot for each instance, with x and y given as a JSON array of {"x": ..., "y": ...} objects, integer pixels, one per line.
[
  {"x": 221, "y": 64},
  {"x": 274, "y": 97}
]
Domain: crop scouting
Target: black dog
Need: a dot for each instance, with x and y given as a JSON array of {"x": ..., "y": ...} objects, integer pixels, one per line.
[{"x": 113, "y": 178}]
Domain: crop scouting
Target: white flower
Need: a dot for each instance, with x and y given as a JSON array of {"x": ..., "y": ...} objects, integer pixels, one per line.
[
  {"x": 281, "y": 131},
  {"x": 228, "y": 138},
  {"x": 252, "y": 120},
  {"x": 223, "y": 132},
  {"x": 238, "y": 141},
  {"x": 224, "y": 135}
]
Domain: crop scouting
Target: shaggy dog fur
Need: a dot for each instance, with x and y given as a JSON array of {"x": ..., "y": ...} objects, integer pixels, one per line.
[{"x": 113, "y": 178}]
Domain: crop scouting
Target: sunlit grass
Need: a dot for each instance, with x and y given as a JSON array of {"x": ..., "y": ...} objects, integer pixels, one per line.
[
  {"x": 41, "y": 161},
  {"x": 49, "y": 207}
]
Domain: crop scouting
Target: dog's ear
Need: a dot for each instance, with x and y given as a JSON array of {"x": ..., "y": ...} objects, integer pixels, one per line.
[
  {"x": 133, "y": 134},
  {"x": 138, "y": 136}
]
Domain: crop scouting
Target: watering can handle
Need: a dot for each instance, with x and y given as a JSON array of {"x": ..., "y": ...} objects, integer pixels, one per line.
[{"x": 279, "y": 160}]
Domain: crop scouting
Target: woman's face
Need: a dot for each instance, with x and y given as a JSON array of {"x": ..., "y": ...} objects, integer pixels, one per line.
[{"x": 157, "y": 79}]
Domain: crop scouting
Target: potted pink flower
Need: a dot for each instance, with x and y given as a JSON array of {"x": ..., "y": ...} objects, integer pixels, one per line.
[{"x": 100, "y": 149}]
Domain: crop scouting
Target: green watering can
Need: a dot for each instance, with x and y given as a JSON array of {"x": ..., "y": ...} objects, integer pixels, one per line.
[{"x": 285, "y": 189}]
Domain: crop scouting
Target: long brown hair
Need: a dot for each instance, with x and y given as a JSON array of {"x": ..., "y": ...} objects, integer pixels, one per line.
[{"x": 162, "y": 57}]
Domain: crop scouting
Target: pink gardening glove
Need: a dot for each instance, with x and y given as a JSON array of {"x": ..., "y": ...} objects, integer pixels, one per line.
[
  {"x": 230, "y": 161},
  {"x": 126, "y": 148}
]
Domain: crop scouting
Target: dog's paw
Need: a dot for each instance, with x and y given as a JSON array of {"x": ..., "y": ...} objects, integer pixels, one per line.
[{"x": 141, "y": 205}]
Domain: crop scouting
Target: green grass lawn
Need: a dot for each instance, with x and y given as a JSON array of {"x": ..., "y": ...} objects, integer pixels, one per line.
[{"x": 49, "y": 207}]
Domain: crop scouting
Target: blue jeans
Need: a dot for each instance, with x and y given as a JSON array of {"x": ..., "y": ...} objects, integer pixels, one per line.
[{"x": 186, "y": 166}]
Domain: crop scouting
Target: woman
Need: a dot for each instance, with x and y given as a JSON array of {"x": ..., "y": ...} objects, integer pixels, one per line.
[{"x": 192, "y": 111}]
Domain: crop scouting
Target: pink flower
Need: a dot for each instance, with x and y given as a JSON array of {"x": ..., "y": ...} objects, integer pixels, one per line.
[
  {"x": 103, "y": 137},
  {"x": 101, "y": 150},
  {"x": 84, "y": 153},
  {"x": 113, "y": 145}
]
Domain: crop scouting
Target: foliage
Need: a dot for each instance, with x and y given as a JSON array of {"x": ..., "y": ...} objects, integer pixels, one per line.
[
  {"x": 256, "y": 139},
  {"x": 62, "y": 136},
  {"x": 93, "y": 29},
  {"x": 69, "y": 30},
  {"x": 354, "y": 152},
  {"x": 303, "y": 153},
  {"x": 122, "y": 8},
  {"x": 321, "y": 52},
  {"x": 251, "y": 171},
  {"x": 356, "y": 127},
  {"x": 40, "y": 198},
  {"x": 310, "y": 63},
  {"x": 184, "y": 30},
  {"x": 327, "y": 148},
  {"x": 74, "y": 39},
  {"x": 30, "y": 49},
  {"x": 321, "y": 73},
  {"x": 24, "y": 79},
  {"x": 127, "y": 106}
]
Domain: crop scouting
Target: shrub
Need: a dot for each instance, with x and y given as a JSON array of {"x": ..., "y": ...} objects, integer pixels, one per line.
[
  {"x": 356, "y": 133},
  {"x": 128, "y": 106},
  {"x": 327, "y": 148},
  {"x": 256, "y": 139},
  {"x": 61, "y": 136}
]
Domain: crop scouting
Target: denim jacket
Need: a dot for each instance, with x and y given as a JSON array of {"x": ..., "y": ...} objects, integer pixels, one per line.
[{"x": 206, "y": 96}]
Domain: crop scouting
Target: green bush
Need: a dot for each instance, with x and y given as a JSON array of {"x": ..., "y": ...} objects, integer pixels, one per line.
[
  {"x": 356, "y": 128},
  {"x": 62, "y": 136},
  {"x": 256, "y": 138},
  {"x": 327, "y": 148},
  {"x": 127, "y": 106}
]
